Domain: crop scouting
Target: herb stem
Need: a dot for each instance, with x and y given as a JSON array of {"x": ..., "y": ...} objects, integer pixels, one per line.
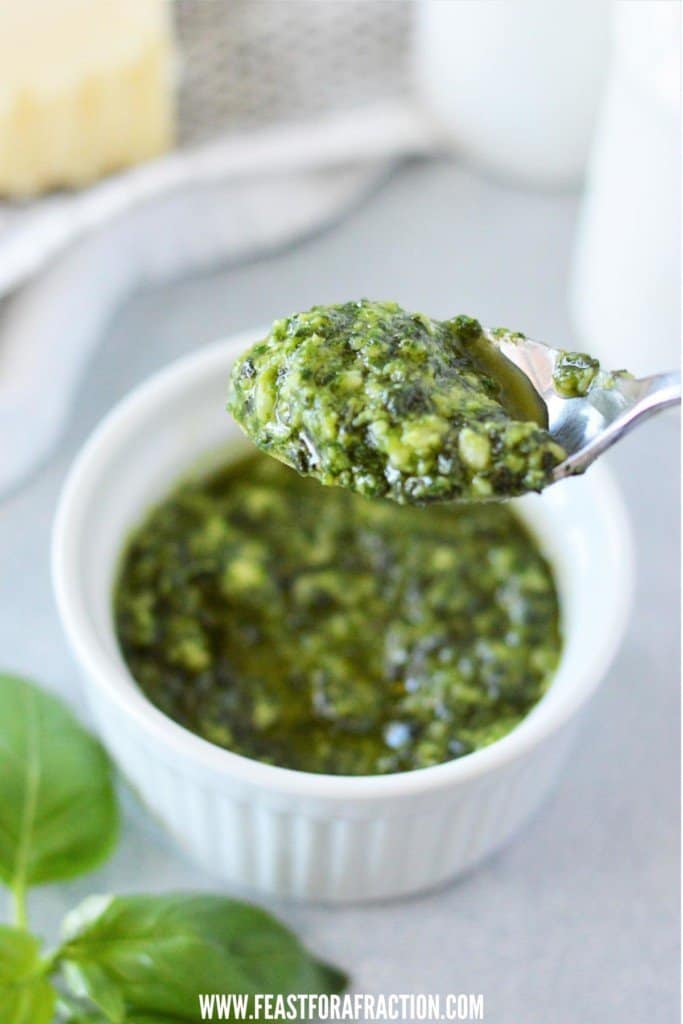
[{"x": 19, "y": 905}]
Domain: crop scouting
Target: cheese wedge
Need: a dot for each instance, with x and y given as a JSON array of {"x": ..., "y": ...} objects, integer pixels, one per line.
[{"x": 86, "y": 87}]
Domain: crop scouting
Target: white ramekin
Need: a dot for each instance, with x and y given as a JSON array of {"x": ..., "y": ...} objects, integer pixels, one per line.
[{"x": 293, "y": 834}]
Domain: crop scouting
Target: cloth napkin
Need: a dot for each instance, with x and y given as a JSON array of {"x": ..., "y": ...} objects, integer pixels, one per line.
[{"x": 68, "y": 260}]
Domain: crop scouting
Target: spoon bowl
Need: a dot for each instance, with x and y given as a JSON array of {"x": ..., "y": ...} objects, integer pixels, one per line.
[{"x": 589, "y": 424}]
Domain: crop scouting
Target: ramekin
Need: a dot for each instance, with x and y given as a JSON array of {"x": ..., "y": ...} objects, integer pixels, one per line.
[{"x": 295, "y": 834}]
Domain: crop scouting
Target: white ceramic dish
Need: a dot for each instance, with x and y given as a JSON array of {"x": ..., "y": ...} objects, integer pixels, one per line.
[{"x": 289, "y": 833}]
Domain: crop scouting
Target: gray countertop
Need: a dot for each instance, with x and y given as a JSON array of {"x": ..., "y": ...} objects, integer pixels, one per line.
[{"x": 578, "y": 919}]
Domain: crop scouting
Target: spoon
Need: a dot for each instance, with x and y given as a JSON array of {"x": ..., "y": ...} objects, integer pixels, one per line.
[{"x": 588, "y": 425}]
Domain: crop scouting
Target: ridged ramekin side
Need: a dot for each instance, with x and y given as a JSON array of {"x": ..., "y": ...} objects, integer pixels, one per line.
[{"x": 402, "y": 844}]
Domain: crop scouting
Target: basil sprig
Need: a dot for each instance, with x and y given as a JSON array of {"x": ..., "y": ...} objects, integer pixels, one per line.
[
  {"x": 58, "y": 814},
  {"x": 123, "y": 959},
  {"x": 26, "y": 994}
]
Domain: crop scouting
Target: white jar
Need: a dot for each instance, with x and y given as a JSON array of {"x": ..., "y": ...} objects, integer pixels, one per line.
[
  {"x": 515, "y": 84},
  {"x": 626, "y": 286}
]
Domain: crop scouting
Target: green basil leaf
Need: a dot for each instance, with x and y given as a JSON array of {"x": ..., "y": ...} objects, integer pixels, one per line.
[
  {"x": 58, "y": 813},
  {"x": 88, "y": 981},
  {"x": 26, "y": 995},
  {"x": 153, "y": 1019},
  {"x": 162, "y": 951},
  {"x": 72, "y": 1012},
  {"x": 85, "y": 1018}
]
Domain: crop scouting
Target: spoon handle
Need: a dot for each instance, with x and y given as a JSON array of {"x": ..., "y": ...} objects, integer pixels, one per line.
[
  {"x": 661, "y": 391},
  {"x": 650, "y": 395}
]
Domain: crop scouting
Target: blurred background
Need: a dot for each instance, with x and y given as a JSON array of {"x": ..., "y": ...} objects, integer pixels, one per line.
[
  {"x": 143, "y": 140},
  {"x": 174, "y": 172}
]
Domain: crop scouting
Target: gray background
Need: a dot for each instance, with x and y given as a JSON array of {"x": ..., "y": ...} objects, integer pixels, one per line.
[{"x": 577, "y": 920}]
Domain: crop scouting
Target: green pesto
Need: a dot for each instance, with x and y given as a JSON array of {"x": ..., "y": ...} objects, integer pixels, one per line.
[
  {"x": 574, "y": 374},
  {"x": 311, "y": 628},
  {"x": 393, "y": 404}
]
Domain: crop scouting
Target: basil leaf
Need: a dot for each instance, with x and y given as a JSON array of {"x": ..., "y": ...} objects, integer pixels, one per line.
[
  {"x": 58, "y": 813},
  {"x": 85, "y": 1018},
  {"x": 26, "y": 995},
  {"x": 162, "y": 951},
  {"x": 69, "y": 1015},
  {"x": 93, "y": 983}
]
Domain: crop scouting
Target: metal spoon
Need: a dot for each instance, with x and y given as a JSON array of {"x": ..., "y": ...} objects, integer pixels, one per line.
[{"x": 589, "y": 425}]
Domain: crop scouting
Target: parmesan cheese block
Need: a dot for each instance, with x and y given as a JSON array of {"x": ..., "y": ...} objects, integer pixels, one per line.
[{"x": 85, "y": 88}]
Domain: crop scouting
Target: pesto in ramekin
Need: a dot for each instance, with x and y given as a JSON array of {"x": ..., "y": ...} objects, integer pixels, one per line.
[{"x": 315, "y": 629}]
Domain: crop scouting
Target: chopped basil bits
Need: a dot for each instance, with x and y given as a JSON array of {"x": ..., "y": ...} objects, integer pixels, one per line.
[
  {"x": 311, "y": 628},
  {"x": 574, "y": 374}
]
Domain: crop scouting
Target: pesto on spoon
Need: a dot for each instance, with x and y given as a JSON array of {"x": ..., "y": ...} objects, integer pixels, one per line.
[{"x": 368, "y": 396}]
